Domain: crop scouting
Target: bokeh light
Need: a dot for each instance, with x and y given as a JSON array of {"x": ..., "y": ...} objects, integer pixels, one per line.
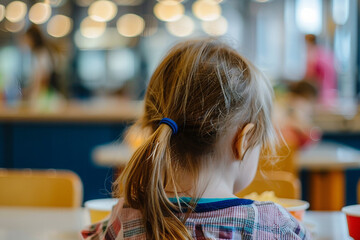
[
  {"x": 169, "y": 11},
  {"x": 340, "y": 11},
  {"x": 216, "y": 27},
  {"x": 59, "y": 26},
  {"x": 15, "y": 26},
  {"x": 39, "y": 13},
  {"x": 92, "y": 29},
  {"x": 2, "y": 12},
  {"x": 182, "y": 27},
  {"x": 110, "y": 39},
  {"x": 308, "y": 16},
  {"x": 102, "y": 11},
  {"x": 16, "y": 11},
  {"x": 130, "y": 25},
  {"x": 206, "y": 10}
]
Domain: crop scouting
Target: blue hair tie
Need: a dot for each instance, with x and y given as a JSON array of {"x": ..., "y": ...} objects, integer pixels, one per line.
[{"x": 171, "y": 124}]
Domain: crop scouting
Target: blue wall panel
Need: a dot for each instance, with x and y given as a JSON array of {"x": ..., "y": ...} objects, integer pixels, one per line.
[
  {"x": 6, "y": 145},
  {"x": 66, "y": 146}
]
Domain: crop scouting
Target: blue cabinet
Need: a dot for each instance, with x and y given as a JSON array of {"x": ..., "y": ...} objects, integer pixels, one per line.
[
  {"x": 352, "y": 176},
  {"x": 60, "y": 146}
]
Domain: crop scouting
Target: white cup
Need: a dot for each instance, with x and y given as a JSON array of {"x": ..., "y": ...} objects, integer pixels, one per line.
[{"x": 99, "y": 209}]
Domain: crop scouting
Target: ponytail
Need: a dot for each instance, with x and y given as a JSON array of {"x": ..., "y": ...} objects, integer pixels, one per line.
[{"x": 143, "y": 182}]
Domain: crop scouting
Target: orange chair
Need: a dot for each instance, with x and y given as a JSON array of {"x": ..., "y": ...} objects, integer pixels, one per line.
[
  {"x": 283, "y": 184},
  {"x": 286, "y": 158},
  {"x": 40, "y": 188}
]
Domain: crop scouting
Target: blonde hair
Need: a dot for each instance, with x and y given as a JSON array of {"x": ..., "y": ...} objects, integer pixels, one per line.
[{"x": 204, "y": 86}]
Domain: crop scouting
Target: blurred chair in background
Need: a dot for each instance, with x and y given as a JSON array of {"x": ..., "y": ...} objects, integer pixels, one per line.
[
  {"x": 40, "y": 188},
  {"x": 283, "y": 184},
  {"x": 285, "y": 160}
]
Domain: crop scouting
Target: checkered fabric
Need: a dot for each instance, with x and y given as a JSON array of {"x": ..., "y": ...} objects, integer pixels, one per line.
[{"x": 226, "y": 219}]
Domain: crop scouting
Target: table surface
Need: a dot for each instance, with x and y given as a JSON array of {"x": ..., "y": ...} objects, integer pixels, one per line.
[
  {"x": 325, "y": 225},
  {"x": 19, "y": 223},
  {"x": 96, "y": 110},
  {"x": 322, "y": 156},
  {"x": 65, "y": 224},
  {"x": 329, "y": 156},
  {"x": 113, "y": 154}
]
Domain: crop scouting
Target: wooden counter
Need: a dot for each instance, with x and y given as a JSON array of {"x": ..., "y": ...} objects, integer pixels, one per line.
[
  {"x": 63, "y": 138},
  {"x": 95, "y": 111},
  {"x": 336, "y": 120}
]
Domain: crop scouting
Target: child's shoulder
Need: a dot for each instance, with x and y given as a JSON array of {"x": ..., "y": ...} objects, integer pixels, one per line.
[
  {"x": 122, "y": 222},
  {"x": 256, "y": 220},
  {"x": 267, "y": 205},
  {"x": 270, "y": 210},
  {"x": 273, "y": 214}
]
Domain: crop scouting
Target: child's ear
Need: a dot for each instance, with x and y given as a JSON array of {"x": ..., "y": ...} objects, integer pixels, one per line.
[{"x": 239, "y": 143}]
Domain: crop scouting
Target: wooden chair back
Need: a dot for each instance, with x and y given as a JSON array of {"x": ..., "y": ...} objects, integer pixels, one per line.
[
  {"x": 40, "y": 188},
  {"x": 283, "y": 184}
]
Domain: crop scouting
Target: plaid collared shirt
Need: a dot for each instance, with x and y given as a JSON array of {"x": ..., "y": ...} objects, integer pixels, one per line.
[{"x": 226, "y": 219}]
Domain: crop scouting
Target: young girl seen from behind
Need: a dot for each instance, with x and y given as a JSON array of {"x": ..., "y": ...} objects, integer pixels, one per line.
[{"x": 207, "y": 117}]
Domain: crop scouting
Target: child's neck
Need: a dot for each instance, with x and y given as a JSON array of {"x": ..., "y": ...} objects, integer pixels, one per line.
[
  {"x": 218, "y": 186},
  {"x": 211, "y": 184}
]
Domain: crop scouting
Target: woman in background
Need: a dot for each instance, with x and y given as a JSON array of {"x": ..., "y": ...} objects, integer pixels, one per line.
[{"x": 45, "y": 84}]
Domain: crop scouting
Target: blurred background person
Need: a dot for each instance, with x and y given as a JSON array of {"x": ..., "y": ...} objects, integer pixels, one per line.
[
  {"x": 321, "y": 71},
  {"x": 293, "y": 118},
  {"x": 297, "y": 110},
  {"x": 44, "y": 88}
]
